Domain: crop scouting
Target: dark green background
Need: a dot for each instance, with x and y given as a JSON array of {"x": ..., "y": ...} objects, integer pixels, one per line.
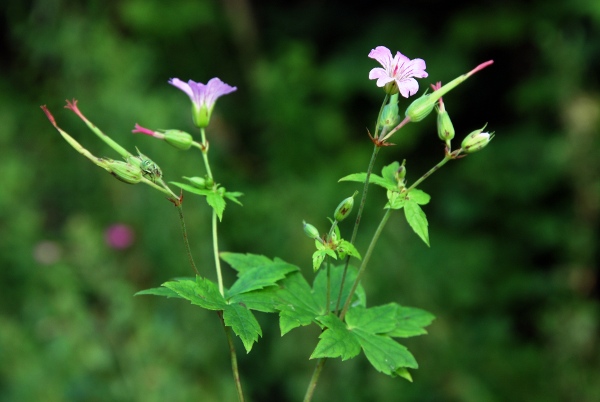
[{"x": 512, "y": 274}]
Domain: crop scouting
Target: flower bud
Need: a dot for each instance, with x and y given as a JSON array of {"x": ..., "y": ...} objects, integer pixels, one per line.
[
  {"x": 310, "y": 230},
  {"x": 125, "y": 172},
  {"x": 344, "y": 209},
  {"x": 421, "y": 107},
  {"x": 476, "y": 141},
  {"x": 444, "y": 126},
  {"x": 389, "y": 116},
  {"x": 179, "y": 139}
]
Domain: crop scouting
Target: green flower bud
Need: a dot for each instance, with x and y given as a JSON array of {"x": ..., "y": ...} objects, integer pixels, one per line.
[
  {"x": 209, "y": 182},
  {"x": 221, "y": 191},
  {"x": 344, "y": 209},
  {"x": 389, "y": 116},
  {"x": 310, "y": 230},
  {"x": 476, "y": 141},
  {"x": 444, "y": 126},
  {"x": 421, "y": 107},
  {"x": 125, "y": 172},
  {"x": 179, "y": 139}
]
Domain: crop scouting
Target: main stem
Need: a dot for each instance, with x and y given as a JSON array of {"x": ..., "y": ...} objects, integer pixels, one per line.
[
  {"x": 215, "y": 238},
  {"x": 365, "y": 262},
  {"x": 313, "y": 380}
]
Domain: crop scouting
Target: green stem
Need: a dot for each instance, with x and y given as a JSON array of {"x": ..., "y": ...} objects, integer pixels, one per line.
[
  {"x": 216, "y": 252},
  {"x": 365, "y": 262},
  {"x": 328, "y": 296},
  {"x": 205, "y": 153},
  {"x": 449, "y": 156},
  {"x": 313, "y": 380},
  {"x": 357, "y": 222},
  {"x": 234, "y": 365},
  {"x": 185, "y": 240}
]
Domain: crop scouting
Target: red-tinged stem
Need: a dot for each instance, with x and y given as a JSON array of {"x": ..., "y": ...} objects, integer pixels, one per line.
[{"x": 480, "y": 67}]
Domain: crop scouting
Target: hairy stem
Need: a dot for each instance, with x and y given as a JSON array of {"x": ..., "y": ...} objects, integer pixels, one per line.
[
  {"x": 234, "y": 364},
  {"x": 365, "y": 262},
  {"x": 216, "y": 252},
  {"x": 185, "y": 240},
  {"x": 313, "y": 380}
]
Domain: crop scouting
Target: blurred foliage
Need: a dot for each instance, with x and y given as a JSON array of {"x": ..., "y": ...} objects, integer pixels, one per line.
[{"x": 512, "y": 274}]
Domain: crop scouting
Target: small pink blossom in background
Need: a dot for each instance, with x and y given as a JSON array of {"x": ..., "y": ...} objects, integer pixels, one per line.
[
  {"x": 398, "y": 69},
  {"x": 119, "y": 236},
  {"x": 203, "y": 95}
]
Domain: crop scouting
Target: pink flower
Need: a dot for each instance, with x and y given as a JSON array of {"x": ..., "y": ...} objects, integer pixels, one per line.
[
  {"x": 119, "y": 236},
  {"x": 203, "y": 96},
  {"x": 397, "y": 72}
]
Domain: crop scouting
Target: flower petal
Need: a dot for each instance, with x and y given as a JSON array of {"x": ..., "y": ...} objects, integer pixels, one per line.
[
  {"x": 383, "y": 55},
  {"x": 176, "y": 82},
  {"x": 407, "y": 86}
]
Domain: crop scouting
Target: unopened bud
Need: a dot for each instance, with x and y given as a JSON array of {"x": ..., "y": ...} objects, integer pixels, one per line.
[
  {"x": 476, "y": 141},
  {"x": 444, "y": 126},
  {"x": 310, "y": 230},
  {"x": 344, "y": 209},
  {"x": 389, "y": 116},
  {"x": 179, "y": 139},
  {"x": 125, "y": 172},
  {"x": 421, "y": 107}
]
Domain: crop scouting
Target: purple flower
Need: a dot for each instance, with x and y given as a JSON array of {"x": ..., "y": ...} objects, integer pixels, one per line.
[
  {"x": 398, "y": 70},
  {"x": 203, "y": 96},
  {"x": 119, "y": 236}
]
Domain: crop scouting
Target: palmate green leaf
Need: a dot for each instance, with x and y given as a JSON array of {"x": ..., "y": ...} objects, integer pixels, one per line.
[
  {"x": 265, "y": 300},
  {"x": 410, "y": 321},
  {"x": 385, "y": 354},
  {"x": 298, "y": 306},
  {"x": 389, "y": 173},
  {"x": 396, "y": 200},
  {"x": 376, "y": 320},
  {"x": 192, "y": 189},
  {"x": 336, "y": 340},
  {"x": 233, "y": 196},
  {"x": 158, "y": 292},
  {"x": 366, "y": 328},
  {"x": 243, "y": 323},
  {"x": 347, "y": 248},
  {"x": 261, "y": 276},
  {"x": 418, "y": 196},
  {"x": 374, "y": 179},
  {"x": 336, "y": 273},
  {"x": 200, "y": 292},
  {"x": 217, "y": 202},
  {"x": 301, "y": 304},
  {"x": 416, "y": 219},
  {"x": 243, "y": 262}
]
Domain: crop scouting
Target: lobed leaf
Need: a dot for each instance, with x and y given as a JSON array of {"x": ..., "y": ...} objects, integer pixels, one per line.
[
  {"x": 410, "y": 321},
  {"x": 158, "y": 292},
  {"x": 192, "y": 189},
  {"x": 416, "y": 219},
  {"x": 201, "y": 292},
  {"x": 217, "y": 202},
  {"x": 261, "y": 276},
  {"x": 243, "y": 323},
  {"x": 385, "y": 354},
  {"x": 336, "y": 340},
  {"x": 374, "y": 179}
]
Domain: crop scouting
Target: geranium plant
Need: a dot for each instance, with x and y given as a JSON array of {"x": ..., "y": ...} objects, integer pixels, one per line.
[{"x": 332, "y": 297}]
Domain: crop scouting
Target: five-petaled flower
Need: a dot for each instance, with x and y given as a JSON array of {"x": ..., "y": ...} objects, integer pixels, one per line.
[
  {"x": 397, "y": 72},
  {"x": 203, "y": 96}
]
